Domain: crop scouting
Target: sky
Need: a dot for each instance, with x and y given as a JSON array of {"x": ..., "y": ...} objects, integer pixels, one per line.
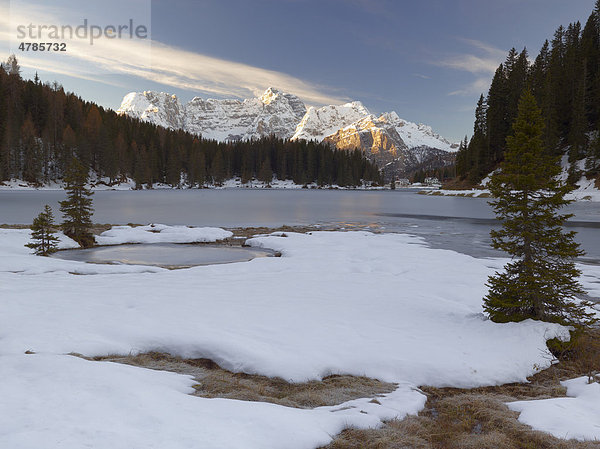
[{"x": 428, "y": 60}]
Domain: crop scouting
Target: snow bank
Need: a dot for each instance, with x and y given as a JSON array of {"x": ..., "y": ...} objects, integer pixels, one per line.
[
  {"x": 576, "y": 417},
  {"x": 64, "y": 401},
  {"x": 15, "y": 258},
  {"x": 473, "y": 193},
  {"x": 384, "y": 306},
  {"x": 586, "y": 191},
  {"x": 97, "y": 184},
  {"x": 379, "y": 305},
  {"x": 158, "y": 233}
]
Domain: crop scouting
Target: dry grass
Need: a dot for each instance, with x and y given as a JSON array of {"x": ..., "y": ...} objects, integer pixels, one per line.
[
  {"x": 251, "y": 232},
  {"x": 96, "y": 228},
  {"x": 478, "y": 418},
  {"x": 457, "y": 184},
  {"x": 215, "y": 382},
  {"x": 14, "y": 226}
]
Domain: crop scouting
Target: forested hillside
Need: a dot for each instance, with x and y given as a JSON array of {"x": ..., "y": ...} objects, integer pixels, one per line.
[
  {"x": 42, "y": 126},
  {"x": 565, "y": 80}
]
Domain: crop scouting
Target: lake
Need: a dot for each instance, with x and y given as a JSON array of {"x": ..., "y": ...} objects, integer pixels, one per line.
[{"x": 460, "y": 224}]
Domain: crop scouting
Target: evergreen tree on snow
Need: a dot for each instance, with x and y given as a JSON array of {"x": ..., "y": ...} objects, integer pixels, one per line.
[
  {"x": 541, "y": 281},
  {"x": 44, "y": 242},
  {"x": 77, "y": 208}
]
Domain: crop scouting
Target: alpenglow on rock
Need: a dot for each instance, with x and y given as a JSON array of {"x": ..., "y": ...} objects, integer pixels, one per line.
[{"x": 397, "y": 145}]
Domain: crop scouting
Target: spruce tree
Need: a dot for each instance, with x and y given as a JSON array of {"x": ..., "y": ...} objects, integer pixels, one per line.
[
  {"x": 218, "y": 168},
  {"x": 44, "y": 241},
  {"x": 541, "y": 280},
  {"x": 266, "y": 174},
  {"x": 592, "y": 164},
  {"x": 77, "y": 208}
]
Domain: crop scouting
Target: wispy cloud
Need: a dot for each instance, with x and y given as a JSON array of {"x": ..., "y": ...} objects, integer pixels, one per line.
[
  {"x": 476, "y": 87},
  {"x": 488, "y": 49},
  {"x": 164, "y": 64},
  {"x": 481, "y": 61},
  {"x": 420, "y": 75},
  {"x": 470, "y": 63}
]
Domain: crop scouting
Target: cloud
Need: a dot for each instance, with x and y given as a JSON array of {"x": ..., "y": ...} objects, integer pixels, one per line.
[
  {"x": 488, "y": 49},
  {"x": 482, "y": 63},
  {"x": 477, "y": 87},
  {"x": 485, "y": 62},
  {"x": 161, "y": 63},
  {"x": 470, "y": 63},
  {"x": 420, "y": 75}
]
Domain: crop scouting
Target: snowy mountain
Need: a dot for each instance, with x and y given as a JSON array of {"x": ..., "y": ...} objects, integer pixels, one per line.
[
  {"x": 158, "y": 108},
  {"x": 396, "y": 144},
  {"x": 318, "y": 123},
  {"x": 273, "y": 112},
  {"x": 399, "y": 146}
]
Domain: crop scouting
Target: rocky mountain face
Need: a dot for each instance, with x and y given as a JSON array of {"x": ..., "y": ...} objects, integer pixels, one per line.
[
  {"x": 272, "y": 113},
  {"x": 398, "y": 146}
]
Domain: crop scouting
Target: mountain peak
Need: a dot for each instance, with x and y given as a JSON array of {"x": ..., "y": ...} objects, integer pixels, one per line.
[{"x": 270, "y": 95}]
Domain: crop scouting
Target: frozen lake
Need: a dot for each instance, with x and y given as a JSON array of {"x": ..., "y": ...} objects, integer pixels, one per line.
[
  {"x": 166, "y": 255},
  {"x": 460, "y": 224}
]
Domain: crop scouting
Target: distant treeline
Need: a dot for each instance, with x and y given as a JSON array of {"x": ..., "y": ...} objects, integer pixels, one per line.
[
  {"x": 565, "y": 80},
  {"x": 42, "y": 127}
]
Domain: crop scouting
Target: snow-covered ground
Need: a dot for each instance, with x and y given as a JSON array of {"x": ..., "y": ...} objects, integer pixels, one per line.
[
  {"x": 129, "y": 184},
  {"x": 576, "y": 417},
  {"x": 379, "y": 305},
  {"x": 473, "y": 193},
  {"x": 586, "y": 191},
  {"x": 157, "y": 233}
]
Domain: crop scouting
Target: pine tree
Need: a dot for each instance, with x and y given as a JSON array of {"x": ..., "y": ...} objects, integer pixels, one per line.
[
  {"x": 30, "y": 148},
  {"x": 44, "y": 241},
  {"x": 218, "y": 168},
  {"x": 497, "y": 113},
  {"x": 77, "y": 208},
  {"x": 592, "y": 164},
  {"x": 541, "y": 280},
  {"x": 266, "y": 174}
]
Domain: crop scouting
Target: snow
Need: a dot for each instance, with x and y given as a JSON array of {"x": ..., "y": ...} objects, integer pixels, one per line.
[
  {"x": 159, "y": 108},
  {"x": 274, "y": 112},
  {"x": 417, "y": 135},
  {"x": 105, "y": 184},
  {"x": 472, "y": 193},
  {"x": 379, "y": 305},
  {"x": 157, "y": 233},
  {"x": 64, "y": 401},
  {"x": 586, "y": 190},
  {"x": 15, "y": 258},
  {"x": 319, "y": 123},
  {"x": 574, "y": 417}
]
